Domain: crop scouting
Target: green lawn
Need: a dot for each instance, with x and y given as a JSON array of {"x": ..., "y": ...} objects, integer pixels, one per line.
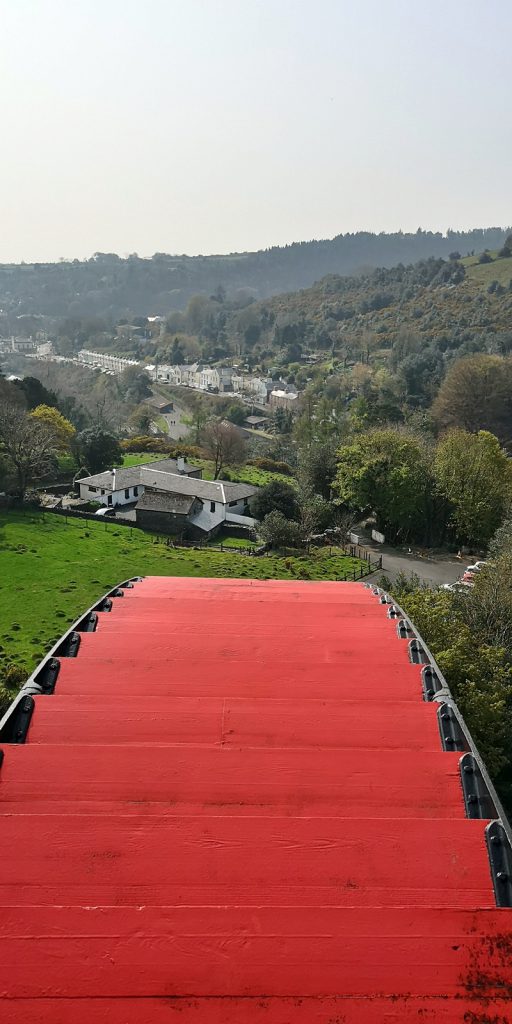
[
  {"x": 50, "y": 571},
  {"x": 140, "y": 457}
]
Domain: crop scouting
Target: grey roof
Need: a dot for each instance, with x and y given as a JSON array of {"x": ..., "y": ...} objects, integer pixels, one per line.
[
  {"x": 128, "y": 477},
  {"x": 156, "y": 501},
  {"x": 158, "y": 403},
  {"x": 208, "y": 490},
  {"x": 131, "y": 476},
  {"x": 256, "y": 419}
]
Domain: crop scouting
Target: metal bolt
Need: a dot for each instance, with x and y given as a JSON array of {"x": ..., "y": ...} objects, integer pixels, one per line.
[{"x": 502, "y": 876}]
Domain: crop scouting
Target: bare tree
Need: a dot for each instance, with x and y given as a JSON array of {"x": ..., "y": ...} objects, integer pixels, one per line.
[
  {"x": 224, "y": 444},
  {"x": 29, "y": 445}
]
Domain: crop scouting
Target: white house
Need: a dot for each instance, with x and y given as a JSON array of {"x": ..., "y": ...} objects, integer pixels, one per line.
[
  {"x": 124, "y": 486},
  {"x": 199, "y": 506}
]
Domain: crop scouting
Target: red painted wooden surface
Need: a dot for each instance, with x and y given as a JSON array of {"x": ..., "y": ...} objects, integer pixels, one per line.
[{"x": 235, "y": 809}]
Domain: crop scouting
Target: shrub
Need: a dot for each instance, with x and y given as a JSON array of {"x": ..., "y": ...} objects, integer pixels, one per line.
[{"x": 271, "y": 466}]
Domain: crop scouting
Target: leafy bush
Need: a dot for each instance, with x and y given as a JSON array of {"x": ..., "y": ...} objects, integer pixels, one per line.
[
  {"x": 145, "y": 443},
  {"x": 271, "y": 466}
]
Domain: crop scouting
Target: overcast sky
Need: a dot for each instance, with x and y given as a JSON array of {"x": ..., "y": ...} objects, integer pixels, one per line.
[{"x": 205, "y": 126}]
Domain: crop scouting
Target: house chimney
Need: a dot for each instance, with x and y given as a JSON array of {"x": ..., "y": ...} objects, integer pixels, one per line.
[
  {"x": 180, "y": 462},
  {"x": 113, "y": 480}
]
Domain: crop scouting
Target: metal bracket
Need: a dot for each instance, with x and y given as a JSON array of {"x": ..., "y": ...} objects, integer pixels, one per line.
[
  {"x": 47, "y": 675},
  {"x": 500, "y": 856},
  {"x": 404, "y": 631},
  {"x": 452, "y": 734},
  {"x": 69, "y": 646},
  {"x": 16, "y": 725},
  {"x": 478, "y": 800},
  {"x": 431, "y": 682},
  {"x": 88, "y": 624},
  {"x": 417, "y": 653},
  {"x": 393, "y": 612},
  {"x": 105, "y": 605}
]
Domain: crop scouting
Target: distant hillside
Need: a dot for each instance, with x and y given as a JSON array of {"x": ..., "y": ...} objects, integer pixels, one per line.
[
  {"x": 452, "y": 303},
  {"x": 111, "y": 287}
]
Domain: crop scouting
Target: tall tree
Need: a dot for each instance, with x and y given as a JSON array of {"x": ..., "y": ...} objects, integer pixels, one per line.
[
  {"x": 135, "y": 384},
  {"x": 97, "y": 449},
  {"x": 277, "y": 496},
  {"x": 387, "y": 472},
  {"x": 62, "y": 430},
  {"x": 28, "y": 444},
  {"x": 475, "y": 475},
  {"x": 223, "y": 444},
  {"x": 476, "y": 394}
]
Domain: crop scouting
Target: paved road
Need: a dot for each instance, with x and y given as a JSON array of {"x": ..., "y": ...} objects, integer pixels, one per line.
[
  {"x": 177, "y": 428},
  {"x": 431, "y": 569}
]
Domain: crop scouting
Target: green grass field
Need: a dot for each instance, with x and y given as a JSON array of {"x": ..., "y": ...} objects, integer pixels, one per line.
[
  {"x": 140, "y": 457},
  {"x": 52, "y": 570},
  {"x": 483, "y": 273}
]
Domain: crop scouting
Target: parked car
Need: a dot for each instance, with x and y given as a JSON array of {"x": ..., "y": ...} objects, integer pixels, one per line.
[
  {"x": 459, "y": 587},
  {"x": 105, "y": 511}
]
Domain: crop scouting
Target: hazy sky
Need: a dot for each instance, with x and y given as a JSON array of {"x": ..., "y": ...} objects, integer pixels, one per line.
[{"x": 206, "y": 126}]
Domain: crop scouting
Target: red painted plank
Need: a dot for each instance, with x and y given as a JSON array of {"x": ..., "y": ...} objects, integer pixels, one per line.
[
  {"x": 394, "y": 678},
  {"x": 159, "y": 857},
  {"x": 231, "y": 722},
  {"x": 177, "y": 780},
  {"x": 253, "y": 589},
  {"x": 231, "y": 951},
  {"x": 224, "y": 611},
  {"x": 223, "y": 646},
  {"x": 395, "y": 1009}
]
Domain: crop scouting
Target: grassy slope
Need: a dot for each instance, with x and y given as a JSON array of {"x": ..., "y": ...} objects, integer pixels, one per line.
[
  {"x": 429, "y": 312},
  {"x": 481, "y": 274},
  {"x": 50, "y": 571}
]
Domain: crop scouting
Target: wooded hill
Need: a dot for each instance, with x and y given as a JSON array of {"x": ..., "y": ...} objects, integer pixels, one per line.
[
  {"x": 111, "y": 287},
  {"x": 434, "y": 310}
]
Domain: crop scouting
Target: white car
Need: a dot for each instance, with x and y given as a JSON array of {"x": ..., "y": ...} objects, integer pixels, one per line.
[{"x": 459, "y": 587}]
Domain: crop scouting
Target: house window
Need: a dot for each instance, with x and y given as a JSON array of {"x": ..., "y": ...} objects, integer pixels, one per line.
[
  {"x": 103, "y": 490},
  {"x": 232, "y": 503},
  {"x": 212, "y": 506},
  {"x": 135, "y": 492},
  {"x": 93, "y": 489},
  {"x": 127, "y": 492},
  {"x": 109, "y": 499}
]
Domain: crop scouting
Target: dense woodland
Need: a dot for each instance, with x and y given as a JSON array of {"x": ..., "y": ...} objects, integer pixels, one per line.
[{"x": 109, "y": 286}]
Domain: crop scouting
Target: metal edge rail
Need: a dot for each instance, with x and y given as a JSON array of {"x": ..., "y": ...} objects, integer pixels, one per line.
[
  {"x": 480, "y": 797},
  {"x": 15, "y": 722}
]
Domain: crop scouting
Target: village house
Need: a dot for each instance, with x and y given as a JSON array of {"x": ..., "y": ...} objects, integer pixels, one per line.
[
  {"x": 124, "y": 486},
  {"x": 158, "y": 405},
  {"x": 196, "y": 509},
  {"x": 281, "y": 399},
  {"x": 256, "y": 422},
  {"x": 171, "y": 497}
]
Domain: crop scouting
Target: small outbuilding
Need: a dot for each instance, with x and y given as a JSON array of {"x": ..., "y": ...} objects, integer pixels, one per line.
[{"x": 166, "y": 512}]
